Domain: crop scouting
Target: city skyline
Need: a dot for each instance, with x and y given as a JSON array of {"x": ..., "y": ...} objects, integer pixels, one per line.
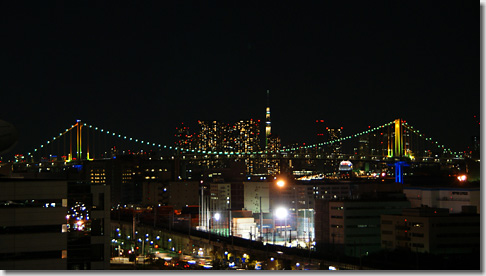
[
  {"x": 240, "y": 135},
  {"x": 139, "y": 75}
]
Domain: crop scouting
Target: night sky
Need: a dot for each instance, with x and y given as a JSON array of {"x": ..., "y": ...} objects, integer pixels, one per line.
[{"x": 140, "y": 69}]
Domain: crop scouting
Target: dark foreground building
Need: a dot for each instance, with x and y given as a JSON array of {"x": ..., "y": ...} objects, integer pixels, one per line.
[{"x": 50, "y": 224}]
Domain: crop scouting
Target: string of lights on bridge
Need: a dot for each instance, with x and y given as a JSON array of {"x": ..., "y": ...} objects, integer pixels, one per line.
[
  {"x": 160, "y": 146},
  {"x": 343, "y": 138},
  {"x": 416, "y": 131}
]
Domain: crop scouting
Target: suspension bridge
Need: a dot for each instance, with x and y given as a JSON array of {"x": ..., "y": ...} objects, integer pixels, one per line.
[{"x": 391, "y": 141}]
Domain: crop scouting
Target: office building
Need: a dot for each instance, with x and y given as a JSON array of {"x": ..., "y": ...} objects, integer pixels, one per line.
[
  {"x": 352, "y": 226},
  {"x": 177, "y": 194},
  {"x": 220, "y": 196},
  {"x": 432, "y": 230},
  {"x": 451, "y": 198},
  {"x": 126, "y": 175},
  {"x": 50, "y": 224},
  {"x": 33, "y": 224}
]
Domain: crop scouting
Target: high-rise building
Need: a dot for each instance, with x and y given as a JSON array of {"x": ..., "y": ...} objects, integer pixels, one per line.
[
  {"x": 241, "y": 137},
  {"x": 274, "y": 146},
  {"x": 335, "y": 148},
  {"x": 184, "y": 140},
  {"x": 213, "y": 136},
  {"x": 363, "y": 145},
  {"x": 245, "y": 136},
  {"x": 320, "y": 132}
]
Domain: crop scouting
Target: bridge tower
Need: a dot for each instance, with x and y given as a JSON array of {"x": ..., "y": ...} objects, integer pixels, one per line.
[
  {"x": 79, "y": 142},
  {"x": 398, "y": 148},
  {"x": 79, "y": 139}
]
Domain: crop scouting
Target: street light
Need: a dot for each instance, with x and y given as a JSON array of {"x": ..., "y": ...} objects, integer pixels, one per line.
[
  {"x": 217, "y": 216},
  {"x": 282, "y": 213},
  {"x": 281, "y": 183}
]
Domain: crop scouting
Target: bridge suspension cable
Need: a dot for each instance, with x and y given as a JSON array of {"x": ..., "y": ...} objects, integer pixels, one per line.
[
  {"x": 91, "y": 149},
  {"x": 89, "y": 144},
  {"x": 432, "y": 142}
]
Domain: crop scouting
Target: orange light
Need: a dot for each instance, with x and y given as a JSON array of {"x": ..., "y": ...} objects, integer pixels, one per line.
[{"x": 280, "y": 183}]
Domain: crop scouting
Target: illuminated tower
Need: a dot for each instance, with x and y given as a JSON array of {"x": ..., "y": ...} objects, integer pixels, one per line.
[
  {"x": 268, "y": 127},
  {"x": 398, "y": 149}
]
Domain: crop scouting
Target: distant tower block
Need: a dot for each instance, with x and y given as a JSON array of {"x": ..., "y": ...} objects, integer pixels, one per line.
[{"x": 268, "y": 127}]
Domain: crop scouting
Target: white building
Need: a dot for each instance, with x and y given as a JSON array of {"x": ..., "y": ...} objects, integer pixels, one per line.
[
  {"x": 245, "y": 228},
  {"x": 253, "y": 191},
  {"x": 449, "y": 198}
]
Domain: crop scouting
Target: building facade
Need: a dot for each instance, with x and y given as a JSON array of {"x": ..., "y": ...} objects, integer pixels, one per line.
[
  {"x": 352, "y": 227},
  {"x": 432, "y": 230},
  {"x": 450, "y": 198},
  {"x": 34, "y": 232},
  {"x": 54, "y": 225}
]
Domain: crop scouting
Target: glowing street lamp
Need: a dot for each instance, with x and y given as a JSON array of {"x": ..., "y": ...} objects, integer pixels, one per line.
[
  {"x": 282, "y": 213},
  {"x": 217, "y": 216},
  {"x": 281, "y": 183}
]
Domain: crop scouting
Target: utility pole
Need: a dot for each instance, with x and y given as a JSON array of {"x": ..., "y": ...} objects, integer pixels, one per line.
[
  {"x": 134, "y": 242},
  {"x": 261, "y": 221},
  {"x": 155, "y": 214}
]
